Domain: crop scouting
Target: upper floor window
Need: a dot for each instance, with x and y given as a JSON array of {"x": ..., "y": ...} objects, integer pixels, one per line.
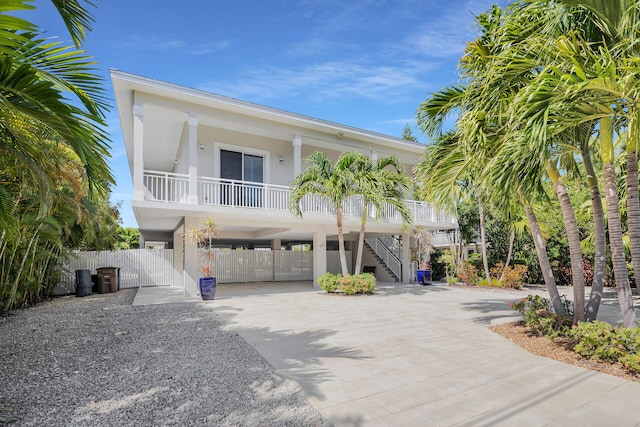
[{"x": 241, "y": 167}]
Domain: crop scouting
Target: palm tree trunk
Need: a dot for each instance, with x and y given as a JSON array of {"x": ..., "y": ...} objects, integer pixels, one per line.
[
  {"x": 483, "y": 240},
  {"x": 361, "y": 241},
  {"x": 343, "y": 255},
  {"x": 633, "y": 210},
  {"x": 597, "y": 286},
  {"x": 512, "y": 237},
  {"x": 620, "y": 274},
  {"x": 573, "y": 237},
  {"x": 633, "y": 201},
  {"x": 615, "y": 226},
  {"x": 543, "y": 259}
]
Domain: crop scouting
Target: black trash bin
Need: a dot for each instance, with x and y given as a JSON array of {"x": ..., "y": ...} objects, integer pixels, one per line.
[{"x": 83, "y": 283}]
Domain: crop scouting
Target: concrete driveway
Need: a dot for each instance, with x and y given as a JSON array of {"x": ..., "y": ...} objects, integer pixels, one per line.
[
  {"x": 419, "y": 356},
  {"x": 422, "y": 356}
]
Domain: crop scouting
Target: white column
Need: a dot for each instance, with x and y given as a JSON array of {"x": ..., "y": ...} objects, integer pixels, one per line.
[
  {"x": 193, "y": 158},
  {"x": 191, "y": 273},
  {"x": 406, "y": 258},
  {"x": 374, "y": 156},
  {"x": 138, "y": 150},
  {"x": 297, "y": 155},
  {"x": 374, "y": 159},
  {"x": 319, "y": 256},
  {"x": 276, "y": 244}
]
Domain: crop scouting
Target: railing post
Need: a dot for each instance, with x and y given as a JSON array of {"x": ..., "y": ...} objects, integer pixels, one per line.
[{"x": 265, "y": 198}]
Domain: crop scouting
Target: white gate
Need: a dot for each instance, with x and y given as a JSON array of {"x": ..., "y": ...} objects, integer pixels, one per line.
[{"x": 243, "y": 266}]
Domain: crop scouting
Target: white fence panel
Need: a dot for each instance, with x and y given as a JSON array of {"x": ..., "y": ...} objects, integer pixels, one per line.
[
  {"x": 243, "y": 266},
  {"x": 292, "y": 265},
  {"x": 138, "y": 267}
]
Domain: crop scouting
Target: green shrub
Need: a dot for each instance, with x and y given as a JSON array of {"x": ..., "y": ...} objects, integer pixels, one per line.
[
  {"x": 538, "y": 316},
  {"x": 329, "y": 282},
  {"x": 602, "y": 341},
  {"x": 596, "y": 340},
  {"x": 495, "y": 283},
  {"x": 364, "y": 283}
]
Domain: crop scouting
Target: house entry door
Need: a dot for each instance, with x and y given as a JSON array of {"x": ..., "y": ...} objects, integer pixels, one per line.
[{"x": 241, "y": 179}]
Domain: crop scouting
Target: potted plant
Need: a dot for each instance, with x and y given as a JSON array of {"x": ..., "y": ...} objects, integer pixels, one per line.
[
  {"x": 203, "y": 235},
  {"x": 423, "y": 238}
]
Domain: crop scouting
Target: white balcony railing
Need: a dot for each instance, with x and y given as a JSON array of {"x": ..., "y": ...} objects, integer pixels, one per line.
[
  {"x": 174, "y": 188},
  {"x": 166, "y": 186},
  {"x": 228, "y": 192}
]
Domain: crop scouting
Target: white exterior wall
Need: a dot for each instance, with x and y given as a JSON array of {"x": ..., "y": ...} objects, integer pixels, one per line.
[{"x": 280, "y": 173}]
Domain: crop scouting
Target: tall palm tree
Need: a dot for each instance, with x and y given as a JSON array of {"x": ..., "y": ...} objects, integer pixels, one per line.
[
  {"x": 499, "y": 66},
  {"x": 583, "y": 84},
  {"x": 53, "y": 148},
  {"x": 379, "y": 184},
  {"x": 615, "y": 33},
  {"x": 334, "y": 183}
]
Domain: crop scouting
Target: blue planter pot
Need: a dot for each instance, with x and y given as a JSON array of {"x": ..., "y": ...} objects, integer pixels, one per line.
[
  {"x": 424, "y": 277},
  {"x": 207, "y": 288}
]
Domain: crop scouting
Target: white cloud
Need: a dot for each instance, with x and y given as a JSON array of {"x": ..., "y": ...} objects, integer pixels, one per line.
[
  {"x": 327, "y": 80},
  {"x": 163, "y": 46}
]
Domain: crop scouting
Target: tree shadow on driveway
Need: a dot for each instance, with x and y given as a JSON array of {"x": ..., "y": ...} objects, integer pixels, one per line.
[
  {"x": 386, "y": 290},
  {"x": 494, "y": 310},
  {"x": 298, "y": 355}
]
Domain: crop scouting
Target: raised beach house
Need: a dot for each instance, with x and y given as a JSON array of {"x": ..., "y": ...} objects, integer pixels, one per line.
[{"x": 194, "y": 154}]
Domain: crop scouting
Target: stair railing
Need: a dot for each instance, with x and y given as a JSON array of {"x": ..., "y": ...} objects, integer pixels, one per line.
[
  {"x": 393, "y": 244},
  {"x": 386, "y": 255}
]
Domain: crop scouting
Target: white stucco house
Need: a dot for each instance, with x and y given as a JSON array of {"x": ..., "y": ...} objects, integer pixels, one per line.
[{"x": 194, "y": 154}]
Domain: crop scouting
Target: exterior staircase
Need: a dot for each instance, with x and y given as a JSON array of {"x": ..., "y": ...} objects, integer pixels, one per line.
[{"x": 385, "y": 253}]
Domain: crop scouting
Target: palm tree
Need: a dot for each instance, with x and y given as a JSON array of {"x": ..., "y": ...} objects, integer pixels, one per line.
[
  {"x": 583, "y": 84},
  {"x": 446, "y": 174},
  {"x": 52, "y": 150},
  {"x": 615, "y": 34},
  {"x": 323, "y": 179},
  {"x": 379, "y": 184},
  {"x": 39, "y": 79},
  {"x": 498, "y": 67}
]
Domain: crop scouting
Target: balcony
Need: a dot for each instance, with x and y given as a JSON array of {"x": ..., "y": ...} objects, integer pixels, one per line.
[{"x": 169, "y": 187}]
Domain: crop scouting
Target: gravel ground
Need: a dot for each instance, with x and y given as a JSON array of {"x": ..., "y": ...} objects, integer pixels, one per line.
[{"x": 99, "y": 361}]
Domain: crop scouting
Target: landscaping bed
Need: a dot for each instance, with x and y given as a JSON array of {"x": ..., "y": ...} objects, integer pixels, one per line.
[{"x": 560, "y": 349}]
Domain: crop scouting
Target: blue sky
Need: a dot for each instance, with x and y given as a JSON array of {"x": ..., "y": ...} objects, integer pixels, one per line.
[{"x": 363, "y": 63}]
